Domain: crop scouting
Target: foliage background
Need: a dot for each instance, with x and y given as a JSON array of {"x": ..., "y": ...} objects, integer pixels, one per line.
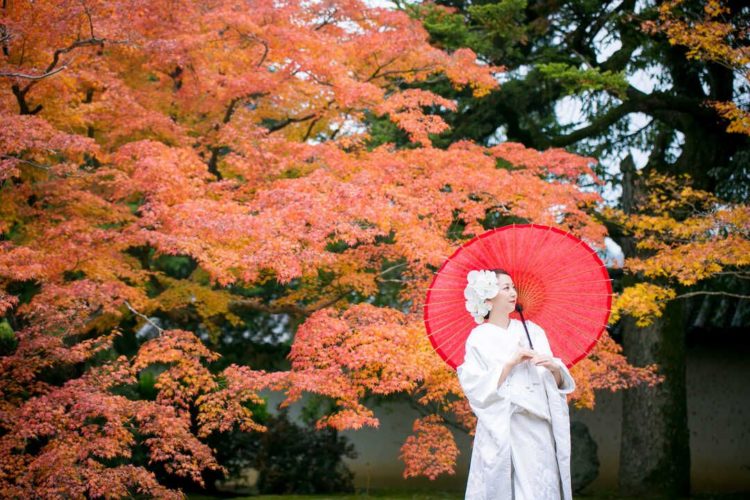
[{"x": 201, "y": 202}]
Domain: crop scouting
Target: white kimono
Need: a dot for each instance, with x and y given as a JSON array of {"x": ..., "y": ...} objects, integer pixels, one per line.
[{"x": 522, "y": 440}]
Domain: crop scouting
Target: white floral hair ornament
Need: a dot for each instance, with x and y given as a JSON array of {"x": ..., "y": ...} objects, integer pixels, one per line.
[{"x": 482, "y": 285}]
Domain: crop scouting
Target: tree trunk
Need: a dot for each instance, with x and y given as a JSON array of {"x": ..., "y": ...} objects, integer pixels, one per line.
[{"x": 655, "y": 448}]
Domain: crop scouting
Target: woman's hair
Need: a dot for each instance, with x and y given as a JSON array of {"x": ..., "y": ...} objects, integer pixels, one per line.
[{"x": 497, "y": 271}]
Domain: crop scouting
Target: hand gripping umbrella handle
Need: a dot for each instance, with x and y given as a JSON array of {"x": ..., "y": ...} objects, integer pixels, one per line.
[{"x": 523, "y": 321}]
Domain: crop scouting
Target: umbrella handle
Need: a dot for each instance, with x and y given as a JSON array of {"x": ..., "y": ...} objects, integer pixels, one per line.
[{"x": 523, "y": 321}]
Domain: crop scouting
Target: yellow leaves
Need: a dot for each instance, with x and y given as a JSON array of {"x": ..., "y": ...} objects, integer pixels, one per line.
[
  {"x": 684, "y": 235},
  {"x": 692, "y": 262},
  {"x": 739, "y": 119},
  {"x": 207, "y": 302},
  {"x": 644, "y": 301},
  {"x": 667, "y": 194},
  {"x": 706, "y": 38},
  {"x": 716, "y": 37}
]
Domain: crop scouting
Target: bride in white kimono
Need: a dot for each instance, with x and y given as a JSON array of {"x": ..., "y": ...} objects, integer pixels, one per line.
[{"x": 522, "y": 440}]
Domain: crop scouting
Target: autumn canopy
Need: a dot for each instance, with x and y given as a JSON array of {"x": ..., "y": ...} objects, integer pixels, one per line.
[{"x": 236, "y": 136}]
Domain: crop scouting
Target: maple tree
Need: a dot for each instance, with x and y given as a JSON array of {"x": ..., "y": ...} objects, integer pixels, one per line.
[{"x": 235, "y": 136}]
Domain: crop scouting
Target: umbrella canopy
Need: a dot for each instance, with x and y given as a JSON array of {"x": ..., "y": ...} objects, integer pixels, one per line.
[{"x": 562, "y": 286}]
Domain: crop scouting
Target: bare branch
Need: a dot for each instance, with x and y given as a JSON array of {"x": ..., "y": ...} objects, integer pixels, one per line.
[
  {"x": 723, "y": 294},
  {"x": 80, "y": 43},
  {"x": 288, "y": 121},
  {"x": 148, "y": 320},
  {"x": 237, "y": 100},
  {"x": 88, "y": 16},
  {"x": 328, "y": 20},
  {"x": 742, "y": 276},
  {"x": 259, "y": 40},
  {"x": 25, "y": 76},
  {"x": 396, "y": 266},
  {"x": 292, "y": 310},
  {"x": 310, "y": 129},
  {"x": 28, "y": 162}
]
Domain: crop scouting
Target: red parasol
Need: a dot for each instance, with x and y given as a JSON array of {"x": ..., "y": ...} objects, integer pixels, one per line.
[{"x": 562, "y": 285}]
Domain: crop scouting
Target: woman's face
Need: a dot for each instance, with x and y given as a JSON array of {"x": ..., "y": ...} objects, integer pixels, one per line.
[{"x": 505, "y": 300}]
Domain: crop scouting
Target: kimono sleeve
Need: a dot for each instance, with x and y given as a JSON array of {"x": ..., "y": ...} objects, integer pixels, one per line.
[
  {"x": 479, "y": 378},
  {"x": 568, "y": 384}
]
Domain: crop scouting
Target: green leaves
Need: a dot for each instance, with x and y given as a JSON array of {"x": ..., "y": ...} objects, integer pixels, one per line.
[
  {"x": 576, "y": 80},
  {"x": 493, "y": 30}
]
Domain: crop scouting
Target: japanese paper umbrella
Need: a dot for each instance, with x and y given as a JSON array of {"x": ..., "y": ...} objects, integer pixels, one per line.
[{"x": 562, "y": 286}]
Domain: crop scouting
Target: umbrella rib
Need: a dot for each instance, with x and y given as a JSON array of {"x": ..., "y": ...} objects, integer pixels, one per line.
[
  {"x": 492, "y": 252},
  {"x": 562, "y": 318},
  {"x": 454, "y": 350},
  {"x": 443, "y": 327},
  {"x": 575, "y": 343},
  {"x": 533, "y": 263},
  {"x": 557, "y": 300},
  {"x": 551, "y": 264},
  {"x": 573, "y": 275},
  {"x": 441, "y": 314},
  {"x": 446, "y": 341},
  {"x": 446, "y": 273},
  {"x": 460, "y": 264}
]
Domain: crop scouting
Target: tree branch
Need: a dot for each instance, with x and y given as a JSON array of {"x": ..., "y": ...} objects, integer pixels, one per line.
[
  {"x": 52, "y": 69},
  {"x": 723, "y": 294},
  {"x": 598, "y": 125},
  {"x": 26, "y": 76},
  {"x": 742, "y": 276},
  {"x": 259, "y": 40},
  {"x": 292, "y": 310},
  {"x": 310, "y": 129},
  {"x": 288, "y": 121},
  {"x": 148, "y": 320},
  {"x": 80, "y": 43},
  {"x": 28, "y": 162}
]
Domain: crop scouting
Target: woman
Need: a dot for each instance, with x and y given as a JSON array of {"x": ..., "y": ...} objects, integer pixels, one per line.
[{"x": 517, "y": 391}]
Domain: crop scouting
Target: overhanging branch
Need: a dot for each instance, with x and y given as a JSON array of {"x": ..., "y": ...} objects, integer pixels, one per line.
[
  {"x": 723, "y": 294},
  {"x": 26, "y": 76}
]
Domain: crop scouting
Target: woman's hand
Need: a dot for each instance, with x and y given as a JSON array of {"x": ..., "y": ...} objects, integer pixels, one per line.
[
  {"x": 549, "y": 363},
  {"x": 520, "y": 356}
]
